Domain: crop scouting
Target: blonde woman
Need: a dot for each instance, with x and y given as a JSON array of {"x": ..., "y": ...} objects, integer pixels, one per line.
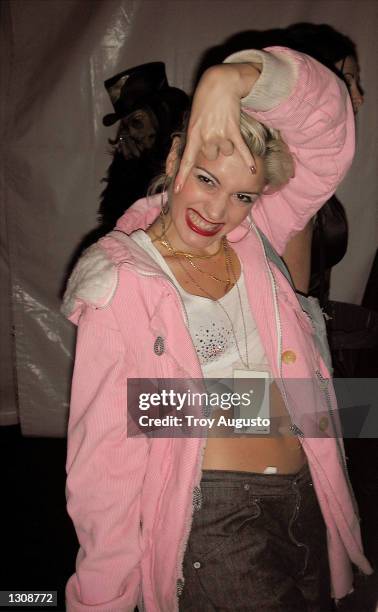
[{"x": 184, "y": 288}]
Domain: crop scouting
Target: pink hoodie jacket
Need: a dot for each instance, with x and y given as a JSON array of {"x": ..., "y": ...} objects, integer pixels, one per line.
[{"x": 131, "y": 498}]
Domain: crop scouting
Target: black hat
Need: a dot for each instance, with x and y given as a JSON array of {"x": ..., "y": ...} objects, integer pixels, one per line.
[{"x": 146, "y": 86}]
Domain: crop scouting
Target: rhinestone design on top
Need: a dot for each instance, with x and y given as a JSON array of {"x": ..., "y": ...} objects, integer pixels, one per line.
[{"x": 211, "y": 341}]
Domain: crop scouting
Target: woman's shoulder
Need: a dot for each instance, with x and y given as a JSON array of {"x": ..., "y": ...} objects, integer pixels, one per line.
[
  {"x": 92, "y": 281},
  {"x": 95, "y": 277}
]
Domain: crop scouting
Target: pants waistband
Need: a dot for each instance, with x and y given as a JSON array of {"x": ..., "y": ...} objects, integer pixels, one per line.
[{"x": 275, "y": 482}]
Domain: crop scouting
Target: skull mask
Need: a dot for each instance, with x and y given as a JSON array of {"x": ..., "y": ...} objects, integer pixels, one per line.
[{"x": 137, "y": 133}]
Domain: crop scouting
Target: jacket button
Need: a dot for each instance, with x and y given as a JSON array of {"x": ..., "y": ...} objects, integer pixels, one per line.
[
  {"x": 289, "y": 357},
  {"x": 159, "y": 346},
  {"x": 323, "y": 423},
  {"x": 196, "y": 564}
]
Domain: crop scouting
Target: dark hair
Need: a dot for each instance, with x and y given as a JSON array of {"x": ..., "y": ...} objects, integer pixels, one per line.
[
  {"x": 320, "y": 41},
  {"x": 247, "y": 39}
]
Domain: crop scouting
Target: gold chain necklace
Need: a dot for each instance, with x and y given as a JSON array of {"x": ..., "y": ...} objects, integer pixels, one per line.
[
  {"x": 189, "y": 255},
  {"x": 231, "y": 268},
  {"x": 189, "y": 258}
]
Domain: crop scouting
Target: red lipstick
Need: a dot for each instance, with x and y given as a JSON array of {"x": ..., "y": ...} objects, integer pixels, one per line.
[{"x": 201, "y": 230}]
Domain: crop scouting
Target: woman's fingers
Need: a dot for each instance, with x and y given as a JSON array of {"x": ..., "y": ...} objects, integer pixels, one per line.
[
  {"x": 226, "y": 147},
  {"x": 186, "y": 164},
  {"x": 211, "y": 150},
  {"x": 244, "y": 152}
]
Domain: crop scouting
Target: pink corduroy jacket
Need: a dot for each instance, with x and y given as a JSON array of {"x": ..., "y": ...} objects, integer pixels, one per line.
[{"x": 131, "y": 498}]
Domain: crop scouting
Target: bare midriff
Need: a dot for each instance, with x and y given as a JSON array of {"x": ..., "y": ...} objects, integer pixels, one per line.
[{"x": 252, "y": 453}]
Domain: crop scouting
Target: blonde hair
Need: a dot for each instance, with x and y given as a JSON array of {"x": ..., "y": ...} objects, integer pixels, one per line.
[
  {"x": 266, "y": 143},
  {"x": 262, "y": 141}
]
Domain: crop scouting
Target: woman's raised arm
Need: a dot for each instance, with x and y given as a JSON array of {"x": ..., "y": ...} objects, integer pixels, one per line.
[{"x": 311, "y": 108}]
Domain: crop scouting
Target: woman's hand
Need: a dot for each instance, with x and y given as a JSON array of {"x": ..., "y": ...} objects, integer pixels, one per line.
[{"x": 214, "y": 125}]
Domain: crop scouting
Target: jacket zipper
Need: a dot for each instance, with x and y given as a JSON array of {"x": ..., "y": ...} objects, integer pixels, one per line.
[
  {"x": 294, "y": 428},
  {"x": 324, "y": 382}
]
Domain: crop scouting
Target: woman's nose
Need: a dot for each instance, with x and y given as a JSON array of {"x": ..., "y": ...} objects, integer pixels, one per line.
[{"x": 215, "y": 207}]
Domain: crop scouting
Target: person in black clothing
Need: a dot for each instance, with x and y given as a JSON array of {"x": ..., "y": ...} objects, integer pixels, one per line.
[{"x": 149, "y": 111}]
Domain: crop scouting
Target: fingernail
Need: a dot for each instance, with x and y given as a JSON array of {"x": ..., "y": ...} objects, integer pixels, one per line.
[{"x": 252, "y": 169}]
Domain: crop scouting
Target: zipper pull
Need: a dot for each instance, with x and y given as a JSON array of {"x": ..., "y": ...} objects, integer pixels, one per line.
[
  {"x": 324, "y": 382},
  {"x": 295, "y": 429}
]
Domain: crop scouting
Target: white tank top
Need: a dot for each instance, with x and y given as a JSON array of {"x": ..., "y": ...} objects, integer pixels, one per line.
[{"x": 219, "y": 339}]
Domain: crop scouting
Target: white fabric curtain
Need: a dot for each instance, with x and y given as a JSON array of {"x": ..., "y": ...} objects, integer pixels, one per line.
[{"x": 54, "y": 57}]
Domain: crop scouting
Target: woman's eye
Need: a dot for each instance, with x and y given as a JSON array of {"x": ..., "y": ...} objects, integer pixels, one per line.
[
  {"x": 205, "y": 179},
  {"x": 246, "y": 199}
]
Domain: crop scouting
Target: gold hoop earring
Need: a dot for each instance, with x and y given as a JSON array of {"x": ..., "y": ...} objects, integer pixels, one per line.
[{"x": 250, "y": 226}]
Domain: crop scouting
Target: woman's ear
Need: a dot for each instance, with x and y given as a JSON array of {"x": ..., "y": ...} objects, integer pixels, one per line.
[{"x": 172, "y": 160}]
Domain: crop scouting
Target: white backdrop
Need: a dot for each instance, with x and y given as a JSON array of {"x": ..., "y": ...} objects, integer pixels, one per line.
[{"x": 54, "y": 57}]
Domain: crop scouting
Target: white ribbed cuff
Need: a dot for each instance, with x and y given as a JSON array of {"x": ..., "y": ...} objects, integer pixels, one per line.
[{"x": 276, "y": 81}]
